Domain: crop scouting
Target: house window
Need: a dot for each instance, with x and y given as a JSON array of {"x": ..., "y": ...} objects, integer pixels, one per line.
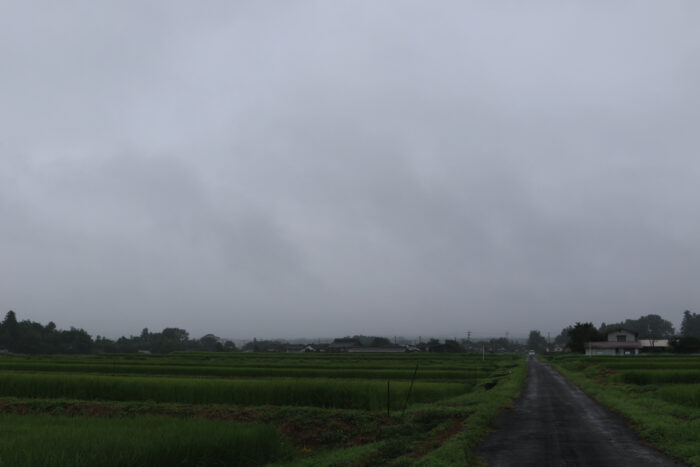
[{"x": 622, "y": 338}]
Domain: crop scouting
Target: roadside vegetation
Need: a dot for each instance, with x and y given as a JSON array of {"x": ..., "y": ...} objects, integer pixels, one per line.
[
  {"x": 660, "y": 395},
  {"x": 206, "y": 409}
]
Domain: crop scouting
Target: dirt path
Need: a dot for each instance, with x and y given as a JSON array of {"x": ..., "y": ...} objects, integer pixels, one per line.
[{"x": 556, "y": 424}]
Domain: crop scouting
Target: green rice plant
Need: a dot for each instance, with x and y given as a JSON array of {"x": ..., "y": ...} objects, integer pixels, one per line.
[
  {"x": 396, "y": 361},
  {"x": 220, "y": 371},
  {"x": 309, "y": 360},
  {"x": 460, "y": 368},
  {"x": 687, "y": 395},
  {"x": 43, "y": 440},
  {"x": 647, "y": 377},
  {"x": 643, "y": 364},
  {"x": 196, "y": 383},
  {"x": 371, "y": 395}
]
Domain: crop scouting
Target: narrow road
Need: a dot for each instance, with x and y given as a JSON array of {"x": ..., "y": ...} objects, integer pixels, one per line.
[{"x": 556, "y": 424}]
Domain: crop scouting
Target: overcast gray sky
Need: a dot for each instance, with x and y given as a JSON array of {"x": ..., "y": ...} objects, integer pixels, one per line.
[{"x": 325, "y": 168}]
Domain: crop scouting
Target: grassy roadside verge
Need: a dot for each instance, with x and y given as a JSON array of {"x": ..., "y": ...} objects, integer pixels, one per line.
[
  {"x": 486, "y": 406},
  {"x": 671, "y": 428}
]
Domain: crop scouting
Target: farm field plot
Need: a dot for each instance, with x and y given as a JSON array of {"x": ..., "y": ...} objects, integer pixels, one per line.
[
  {"x": 660, "y": 395},
  {"x": 250, "y": 409}
]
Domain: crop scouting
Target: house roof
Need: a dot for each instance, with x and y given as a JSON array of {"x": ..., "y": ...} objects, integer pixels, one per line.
[{"x": 613, "y": 345}]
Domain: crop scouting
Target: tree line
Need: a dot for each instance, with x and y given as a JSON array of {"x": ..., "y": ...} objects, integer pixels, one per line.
[{"x": 30, "y": 337}]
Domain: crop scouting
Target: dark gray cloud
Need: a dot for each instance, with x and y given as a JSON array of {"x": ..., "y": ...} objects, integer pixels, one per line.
[{"x": 323, "y": 168}]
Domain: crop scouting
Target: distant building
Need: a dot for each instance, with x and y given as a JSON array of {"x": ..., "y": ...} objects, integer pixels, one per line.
[
  {"x": 312, "y": 348},
  {"x": 620, "y": 342}
]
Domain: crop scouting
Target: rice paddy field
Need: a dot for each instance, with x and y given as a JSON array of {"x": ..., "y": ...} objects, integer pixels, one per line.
[
  {"x": 659, "y": 394},
  {"x": 251, "y": 409}
]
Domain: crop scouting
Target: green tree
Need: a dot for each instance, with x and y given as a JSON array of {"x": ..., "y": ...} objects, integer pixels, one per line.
[
  {"x": 563, "y": 338},
  {"x": 380, "y": 342},
  {"x": 650, "y": 327},
  {"x": 537, "y": 342},
  {"x": 230, "y": 346},
  {"x": 580, "y": 334},
  {"x": 690, "y": 326},
  {"x": 9, "y": 330},
  {"x": 176, "y": 334},
  {"x": 75, "y": 341},
  {"x": 9, "y": 324},
  {"x": 211, "y": 343},
  {"x": 687, "y": 344},
  {"x": 451, "y": 345}
]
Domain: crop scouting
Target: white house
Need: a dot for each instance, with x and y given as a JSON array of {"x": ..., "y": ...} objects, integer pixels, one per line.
[{"x": 620, "y": 342}]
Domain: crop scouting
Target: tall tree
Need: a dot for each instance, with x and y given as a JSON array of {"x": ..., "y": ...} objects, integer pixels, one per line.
[
  {"x": 10, "y": 324},
  {"x": 690, "y": 326},
  {"x": 9, "y": 331},
  {"x": 176, "y": 334},
  {"x": 563, "y": 338},
  {"x": 650, "y": 327},
  {"x": 537, "y": 342},
  {"x": 580, "y": 334}
]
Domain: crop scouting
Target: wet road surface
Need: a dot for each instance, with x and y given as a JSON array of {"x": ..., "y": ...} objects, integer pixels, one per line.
[{"x": 556, "y": 424}]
